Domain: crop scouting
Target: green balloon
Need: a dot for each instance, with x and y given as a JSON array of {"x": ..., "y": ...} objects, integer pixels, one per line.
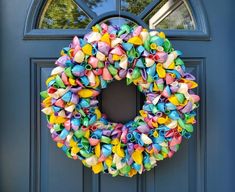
[
  {"x": 167, "y": 45},
  {"x": 79, "y": 133},
  {"x": 150, "y": 79},
  {"x": 147, "y": 44},
  {"x": 124, "y": 29},
  {"x": 112, "y": 70},
  {"x": 159, "y": 157},
  {"x": 147, "y": 166},
  {"x": 85, "y": 121},
  {"x": 128, "y": 81},
  {"x": 98, "y": 27},
  {"x": 189, "y": 127},
  {"x": 68, "y": 154},
  {"x": 126, "y": 169},
  {"x": 44, "y": 94},
  {"x": 179, "y": 61},
  {"x": 57, "y": 127},
  {"x": 68, "y": 72},
  {"x": 100, "y": 64},
  {"x": 84, "y": 153},
  {"x": 136, "y": 73},
  {"x": 105, "y": 139},
  {"x": 59, "y": 81},
  {"x": 180, "y": 97},
  {"x": 85, "y": 143}
]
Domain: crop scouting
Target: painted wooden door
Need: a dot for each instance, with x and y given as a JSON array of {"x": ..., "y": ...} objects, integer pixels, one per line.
[{"x": 32, "y": 34}]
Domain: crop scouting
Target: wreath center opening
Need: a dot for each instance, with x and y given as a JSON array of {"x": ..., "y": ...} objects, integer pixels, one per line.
[{"x": 119, "y": 101}]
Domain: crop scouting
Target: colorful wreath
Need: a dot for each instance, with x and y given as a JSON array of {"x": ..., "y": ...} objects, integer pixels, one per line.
[{"x": 144, "y": 58}]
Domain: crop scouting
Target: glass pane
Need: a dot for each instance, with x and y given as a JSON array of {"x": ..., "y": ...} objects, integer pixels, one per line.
[
  {"x": 134, "y": 6},
  {"x": 101, "y": 6},
  {"x": 170, "y": 14},
  {"x": 118, "y": 21},
  {"x": 63, "y": 14}
]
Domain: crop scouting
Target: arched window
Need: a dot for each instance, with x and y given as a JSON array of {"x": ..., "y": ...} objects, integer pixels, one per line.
[{"x": 179, "y": 18}]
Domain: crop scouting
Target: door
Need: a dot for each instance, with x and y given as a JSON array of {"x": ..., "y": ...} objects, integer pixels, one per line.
[{"x": 32, "y": 34}]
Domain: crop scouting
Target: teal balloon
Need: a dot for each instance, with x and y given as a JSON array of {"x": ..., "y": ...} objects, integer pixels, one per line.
[
  {"x": 127, "y": 46},
  {"x": 140, "y": 63},
  {"x": 67, "y": 96}
]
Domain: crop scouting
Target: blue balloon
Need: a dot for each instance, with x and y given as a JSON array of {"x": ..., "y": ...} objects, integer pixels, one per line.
[
  {"x": 106, "y": 150},
  {"x": 64, "y": 133},
  {"x": 174, "y": 115}
]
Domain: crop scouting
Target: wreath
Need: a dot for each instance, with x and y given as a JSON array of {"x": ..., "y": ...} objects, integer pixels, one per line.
[{"x": 88, "y": 65}]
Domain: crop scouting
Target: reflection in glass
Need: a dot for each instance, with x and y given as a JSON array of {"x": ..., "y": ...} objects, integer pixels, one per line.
[
  {"x": 134, "y": 6},
  {"x": 63, "y": 14},
  {"x": 118, "y": 21},
  {"x": 170, "y": 14},
  {"x": 101, "y": 6},
  {"x": 179, "y": 19}
]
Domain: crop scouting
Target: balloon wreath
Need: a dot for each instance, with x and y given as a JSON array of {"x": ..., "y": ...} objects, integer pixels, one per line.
[{"x": 88, "y": 65}]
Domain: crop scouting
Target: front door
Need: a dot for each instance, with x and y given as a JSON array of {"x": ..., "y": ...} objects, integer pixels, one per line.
[{"x": 32, "y": 35}]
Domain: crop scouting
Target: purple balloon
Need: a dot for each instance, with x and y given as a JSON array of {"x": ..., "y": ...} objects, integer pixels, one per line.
[
  {"x": 143, "y": 74},
  {"x": 62, "y": 60},
  {"x": 122, "y": 73},
  {"x": 187, "y": 108},
  {"x": 189, "y": 76},
  {"x": 143, "y": 128}
]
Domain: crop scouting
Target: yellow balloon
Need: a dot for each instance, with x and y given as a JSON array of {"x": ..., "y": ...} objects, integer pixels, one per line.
[
  {"x": 162, "y": 120},
  {"x": 60, "y": 144},
  {"x": 132, "y": 172},
  {"x": 137, "y": 156},
  {"x": 85, "y": 93},
  {"x": 191, "y": 120},
  {"x": 161, "y": 71},
  {"x": 155, "y": 134},
  {"x": 174, "y": 100},
  {"x": 75, "y": 150},
  {"x": 87, "y": 134},
  {"x": 72, "y": 143},
  {"x": 179, "y": 129},
  {"x": 95, "y": 29},
  {"x": 98, "y": 113},
  {"x": 155, "y": 87},
  {"x": 143, "y": 113},
  {"x": 97, "y": 81},
  {"x": 105, "y": 38},
  {"x": 165, "y": 155},
  {"x": 135, "y": 40},
  {"x": 116, "y": 57},
  {"x": 72, "y": 81},
  {"x": 162, "y": 35},
  {"x": 120, "y": 151},
  {"x": 171, "y": 66},
  {"x": 47, "y": 102},
  {"x": 87, "y": 49},
  {"x": 155, "y": 124},
  {"x": 56, "y": 119},
  {"x": 49, "y": 79},
  {"x": 153, "y": 46},
  {"x": 97, "y": 168},
  {"x": 115, "y": 142},
  {"x": 97, "y": 150},
  {"x": 109, "y": 161}
]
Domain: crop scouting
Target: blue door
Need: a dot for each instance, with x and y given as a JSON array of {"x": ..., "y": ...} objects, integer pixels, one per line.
[{"x": 32, "y": 34}]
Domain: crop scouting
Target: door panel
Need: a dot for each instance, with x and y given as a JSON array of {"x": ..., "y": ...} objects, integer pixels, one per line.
[{"x": 52, "y": 169}]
